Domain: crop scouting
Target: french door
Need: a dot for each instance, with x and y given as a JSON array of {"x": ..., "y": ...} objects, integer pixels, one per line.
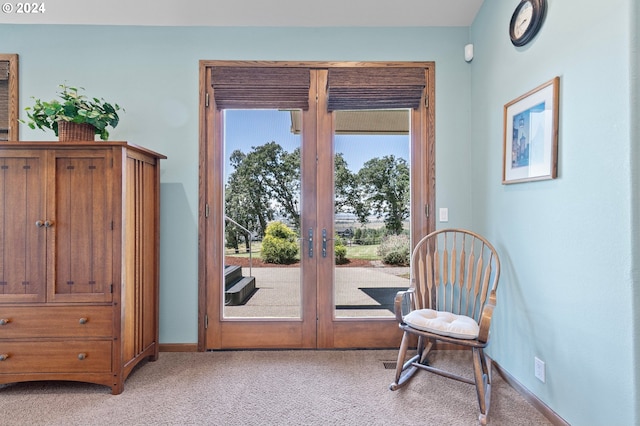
[{"x": 293, "y": 177}]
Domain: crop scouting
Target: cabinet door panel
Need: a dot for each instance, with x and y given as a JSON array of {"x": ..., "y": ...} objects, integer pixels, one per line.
[
  {"x": 22, "y": 242},
  {"x": 83, "y": 228}
]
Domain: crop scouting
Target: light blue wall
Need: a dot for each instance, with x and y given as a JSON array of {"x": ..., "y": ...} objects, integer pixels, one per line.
[
  {"x": 635, "y": 185},
  {"x": 153, "y": 73},
  {"x": 567, "y": 291}
]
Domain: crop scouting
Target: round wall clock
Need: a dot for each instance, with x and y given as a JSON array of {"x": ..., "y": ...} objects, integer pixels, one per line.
[{"x": 526, "y": 21}]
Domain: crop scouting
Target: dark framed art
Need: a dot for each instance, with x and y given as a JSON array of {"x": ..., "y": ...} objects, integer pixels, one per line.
[{"x": 530, "y": 150}]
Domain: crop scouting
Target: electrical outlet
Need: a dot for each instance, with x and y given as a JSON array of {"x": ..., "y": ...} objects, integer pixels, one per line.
[{"x": 539, "y": 369}]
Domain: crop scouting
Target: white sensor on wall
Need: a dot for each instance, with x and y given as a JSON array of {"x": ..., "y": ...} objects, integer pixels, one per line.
[{"x": 468, "y": 52}]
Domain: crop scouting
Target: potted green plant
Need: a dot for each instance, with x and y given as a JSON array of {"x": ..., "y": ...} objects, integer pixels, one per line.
[{"x": 92, "y": 115}]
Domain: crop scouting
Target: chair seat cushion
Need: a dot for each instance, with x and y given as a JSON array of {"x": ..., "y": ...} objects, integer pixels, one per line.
[{"x": 443, "y": 323}]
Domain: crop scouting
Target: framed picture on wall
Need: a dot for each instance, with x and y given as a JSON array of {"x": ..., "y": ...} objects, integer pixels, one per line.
[{"x": 531, "y": 135}]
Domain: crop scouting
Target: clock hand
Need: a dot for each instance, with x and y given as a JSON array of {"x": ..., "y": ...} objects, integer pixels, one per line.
[{"x": 523, "y": 22}]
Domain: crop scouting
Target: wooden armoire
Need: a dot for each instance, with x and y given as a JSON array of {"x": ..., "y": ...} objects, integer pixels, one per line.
[{"x": 79, "y": 260}]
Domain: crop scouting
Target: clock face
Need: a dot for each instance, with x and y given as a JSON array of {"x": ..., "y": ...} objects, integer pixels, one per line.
[
  {"x": 526, "y": 21},
  {"x": 523, "y": 19}
]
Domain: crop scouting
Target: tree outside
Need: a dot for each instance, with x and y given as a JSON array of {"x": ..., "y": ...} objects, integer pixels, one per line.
[{"x": 265, "y": 186}]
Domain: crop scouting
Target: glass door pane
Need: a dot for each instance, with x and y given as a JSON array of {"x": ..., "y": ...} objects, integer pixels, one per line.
[
  {"x": 372, "y": 206},
  {"x": 262, "y": 194}
]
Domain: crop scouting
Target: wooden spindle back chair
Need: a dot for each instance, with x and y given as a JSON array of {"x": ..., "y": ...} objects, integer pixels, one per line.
[{"x": 454, "y": 277}]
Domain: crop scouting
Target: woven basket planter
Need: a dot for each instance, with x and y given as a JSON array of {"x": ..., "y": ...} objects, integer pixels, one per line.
[{"x": 70, "y": 132}]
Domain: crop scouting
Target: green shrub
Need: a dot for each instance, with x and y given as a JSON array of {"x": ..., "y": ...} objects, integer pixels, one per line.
[
  {"x": 279, "y": 244},
  {"x": 394, "y": 250},
  {"x": 340, "y": 251}
]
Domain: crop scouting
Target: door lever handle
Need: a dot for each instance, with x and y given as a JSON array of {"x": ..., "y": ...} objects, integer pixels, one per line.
[{"x": 324, "y": 243}]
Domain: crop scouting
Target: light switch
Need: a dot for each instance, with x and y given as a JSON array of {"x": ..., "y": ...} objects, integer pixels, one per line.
[{"x": 444, "y": 214}]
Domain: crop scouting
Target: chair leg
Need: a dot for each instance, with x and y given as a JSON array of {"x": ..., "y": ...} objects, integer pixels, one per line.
[
  {"x": 482, "y": 375},
  {"x": 424, "y": 350},
  {"x": 404, "y": 370},
  {"x": 486, "y": 366}
]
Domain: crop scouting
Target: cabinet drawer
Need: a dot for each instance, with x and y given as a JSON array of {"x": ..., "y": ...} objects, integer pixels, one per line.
[
  {"x": 56, "y": 321},
  {"x": 55, "y": 357}
]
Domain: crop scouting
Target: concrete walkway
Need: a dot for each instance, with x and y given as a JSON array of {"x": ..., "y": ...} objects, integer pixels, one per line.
[{"x": 359, "y": 292}]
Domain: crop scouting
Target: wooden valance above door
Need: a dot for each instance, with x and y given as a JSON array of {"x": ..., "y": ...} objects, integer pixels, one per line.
[
  {"x": 375, "y": 88},
  {"x": 260, "y": 87}
]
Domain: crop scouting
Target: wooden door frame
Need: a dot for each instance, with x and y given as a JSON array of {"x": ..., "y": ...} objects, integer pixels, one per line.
[{"x": 210, "y": 120}]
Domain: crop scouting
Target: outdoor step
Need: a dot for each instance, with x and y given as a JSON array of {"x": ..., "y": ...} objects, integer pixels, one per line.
[
  {"x": 240, "y": 291},
  {"x": 232, "y": 273}
]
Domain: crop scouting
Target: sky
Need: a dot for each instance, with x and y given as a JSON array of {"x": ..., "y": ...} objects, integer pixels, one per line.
[{"x": 247, "y": 128}]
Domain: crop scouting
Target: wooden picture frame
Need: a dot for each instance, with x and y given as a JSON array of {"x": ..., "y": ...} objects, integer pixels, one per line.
[
  {"x": 530, "y": 149},
  {"x": 9, "y": 126}
]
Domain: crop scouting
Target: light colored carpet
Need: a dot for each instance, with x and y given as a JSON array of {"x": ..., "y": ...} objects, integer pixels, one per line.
[{"x": 268, "y": 388}]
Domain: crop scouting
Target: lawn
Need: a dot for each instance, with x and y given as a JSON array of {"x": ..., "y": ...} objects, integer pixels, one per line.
[
  {"x": 363, "y": 252},
  {"x": 353, "y": 252}
]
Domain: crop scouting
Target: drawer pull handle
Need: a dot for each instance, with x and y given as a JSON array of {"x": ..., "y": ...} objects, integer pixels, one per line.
[
  {"x": 4, "y": 357},
  {"x": 82, "y": 356},
  {"x": 4, "y": 321},
  {"x": 83, "y": 320}
]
